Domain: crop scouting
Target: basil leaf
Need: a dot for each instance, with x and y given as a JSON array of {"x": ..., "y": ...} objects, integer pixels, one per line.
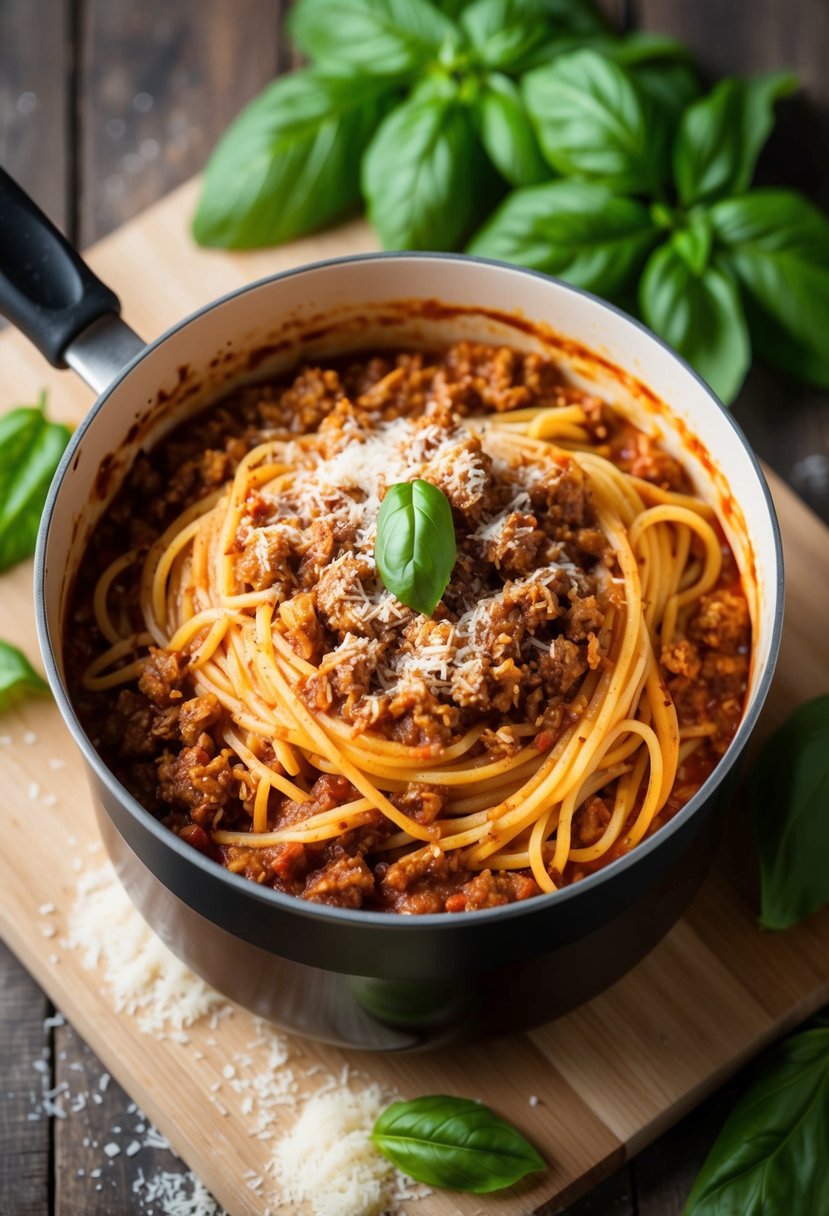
[
  {"x": 425, "y": 176},
  {"x": 454, "y": 1143},
  {"x": 721, "y": 136},
  {"x": 506, "y": 132},
  {"x": 670, "y": 87},
  {"x": 387, "y": 38},
  {"x": 693, "y": 241},
  {"x": 415, "y": 546},
  {"x": 578, "y": 17},
  {"x": 30, "y": 451},
  {"x": 778, "y": 246},
  {"x": 290, "y": 161},
  {"x": 591, "y": 122},
  {"x": 577, "y": 230},
  {"x": 642, "y": 46},
  {"x": 789, "y": 796},
  {"x": 17, "y": 676},
  {"x": 770, "y": 1157},
  {"x": 700, "y": 315},
  {"x": 504, "y": 33}
]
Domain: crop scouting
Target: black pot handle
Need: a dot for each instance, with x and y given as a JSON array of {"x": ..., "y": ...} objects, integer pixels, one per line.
[{"x": 46, "y": 288}]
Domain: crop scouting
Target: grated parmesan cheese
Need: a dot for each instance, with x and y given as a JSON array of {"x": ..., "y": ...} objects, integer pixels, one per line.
[
  {"x": 328, "y": 1162},
  {"x": 143, "y": 976}
]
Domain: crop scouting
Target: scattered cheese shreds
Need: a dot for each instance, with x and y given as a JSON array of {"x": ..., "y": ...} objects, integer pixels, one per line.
[
  {"x": 176, "y": 1194},
  {"x": 328, "y": 1161},
  {"x": 144, "y": 977}
]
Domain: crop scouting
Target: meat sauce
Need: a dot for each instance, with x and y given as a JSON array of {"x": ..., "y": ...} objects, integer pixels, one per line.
[{"x": 163, "y": 742}]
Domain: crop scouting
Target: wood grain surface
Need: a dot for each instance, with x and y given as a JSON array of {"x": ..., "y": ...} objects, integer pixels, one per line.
[
  {"x": 609, "y": 1077},
  {"x": 71, "y": 72}
]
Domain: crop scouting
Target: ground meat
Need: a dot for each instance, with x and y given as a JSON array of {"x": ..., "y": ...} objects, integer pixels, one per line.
[
  {"x": 421, "y": 802},
  {"x": 345, "y": 882},
  {"x": 562, "y": 495},
  {"x": 641, "y": 455},
  {"x": 195, "y": 780},
  {"x": 338, "y": 594},
  {"x": 590, "y": 822},
  {"x": 721, "y": 621},
  {"x": 266, "y": 559},
  {"x": 565, "y": 663},
  {"x": 516, "y": 549},
  {"x": 162, "y": 677},
  {"x": 682, "y": 659},
  {"x": 197, "y": 716}
]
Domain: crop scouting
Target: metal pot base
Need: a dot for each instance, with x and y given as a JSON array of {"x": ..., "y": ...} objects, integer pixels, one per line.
[{"x": 389, "y": 1015}]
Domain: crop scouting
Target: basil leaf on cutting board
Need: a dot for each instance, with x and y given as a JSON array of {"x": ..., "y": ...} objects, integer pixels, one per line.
[
  {"x": 777, "y": 244},
  {"x": 387, "y": 38},
  {"x": 415, "y": 547},
  {"x": 30, "y": 450},
  {"x": 700, "y": 315},
  {"x": 17, "y": 676},
  {"x": 425, "y": 176},
  {"x": 789, "y": 795},
  {"x": 290, "y": 162},
  {"x": 454, "y": 1143},
  {"x": 721, "y": 136},
  {"x": 770, "y": 1157},
  {"x": 591, "y": 121},
  {"x": 579, "y": 231}
]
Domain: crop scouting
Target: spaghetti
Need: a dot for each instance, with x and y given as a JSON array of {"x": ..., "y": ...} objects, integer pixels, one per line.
[{"x": 368, "y": 756}]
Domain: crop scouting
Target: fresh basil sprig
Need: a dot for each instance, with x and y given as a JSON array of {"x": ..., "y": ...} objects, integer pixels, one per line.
[
  {"x": 30, "y": 450},
  {"x": 724, "y": 261},
  {"x": 789, "y": 793},
  {"x": 454, "y": 1143},
  {"x": 416, "y": 104},
  {"x": 430, "y": 110},
  {"x": 770, "y": 1157},
  {"x": 415, "y": 546},
  {"x": 17, "y": 676}
]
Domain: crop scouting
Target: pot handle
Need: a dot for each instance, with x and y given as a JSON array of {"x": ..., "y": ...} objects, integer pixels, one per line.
[{"x": 51, "y": 295}]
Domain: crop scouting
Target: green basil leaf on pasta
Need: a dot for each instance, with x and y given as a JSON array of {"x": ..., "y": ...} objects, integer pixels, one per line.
[
  {"x": 415, "y": 547},
  {"x": 290, "y": 163},
  {"x": 506, "y": 132},
  {"x": 592, "y": 122},
  {"x": 426, "y": 178},
  {"x": 770, "y": 1157},
  {"x": 778, "y": 246},
  {"x": 789, "y": 794},
  {"x": 387, "y": 38},
  {"x": 30, "y": 450},
  {"x": 701, "y": 316},
  {"x": 454, "y": 1143},
  {"x": 17, "y": 676},
  {"x": 578, "y": 231},
  {"x": 721, "y": 136}
]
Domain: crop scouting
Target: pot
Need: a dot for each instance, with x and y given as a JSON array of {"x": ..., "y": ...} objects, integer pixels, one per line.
[{"x": 362, "y": 978}]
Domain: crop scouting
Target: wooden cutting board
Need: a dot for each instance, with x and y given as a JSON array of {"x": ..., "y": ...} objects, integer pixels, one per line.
[{"x": 608, "y": 1078}]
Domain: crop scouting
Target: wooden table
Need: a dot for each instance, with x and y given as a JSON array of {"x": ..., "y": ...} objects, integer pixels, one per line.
[{"x": 104, "y": 106}]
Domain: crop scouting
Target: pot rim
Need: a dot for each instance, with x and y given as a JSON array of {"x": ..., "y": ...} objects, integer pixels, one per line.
[{"x": 352, "y": 917}]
